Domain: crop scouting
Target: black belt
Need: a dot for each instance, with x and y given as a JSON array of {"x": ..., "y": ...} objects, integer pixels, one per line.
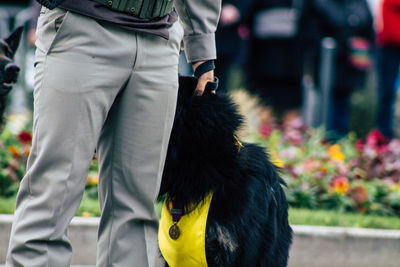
[
  {"x": 146, "y": 9},
  {"x": 50, "y": 3}
]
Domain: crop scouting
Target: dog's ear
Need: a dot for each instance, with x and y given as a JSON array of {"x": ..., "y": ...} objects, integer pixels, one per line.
[{"x": 14, "y": 39}]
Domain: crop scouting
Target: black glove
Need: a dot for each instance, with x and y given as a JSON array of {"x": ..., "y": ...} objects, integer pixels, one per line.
[{"x": 50, "y": 3}]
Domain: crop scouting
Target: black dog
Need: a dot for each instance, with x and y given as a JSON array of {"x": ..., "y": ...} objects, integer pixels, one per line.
[
  {"x": 247, "y": 223},
  {"x": 8, "y": 70}
]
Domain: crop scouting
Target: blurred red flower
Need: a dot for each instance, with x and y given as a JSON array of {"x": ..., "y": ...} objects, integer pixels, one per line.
[{"x": 25, "y": 137}]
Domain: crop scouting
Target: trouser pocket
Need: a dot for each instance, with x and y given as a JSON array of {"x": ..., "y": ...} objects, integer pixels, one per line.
[{"x": 49, "y": 28}]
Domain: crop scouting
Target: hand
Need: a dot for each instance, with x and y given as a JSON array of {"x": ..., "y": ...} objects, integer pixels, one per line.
[{"x": 203, "y": 79}]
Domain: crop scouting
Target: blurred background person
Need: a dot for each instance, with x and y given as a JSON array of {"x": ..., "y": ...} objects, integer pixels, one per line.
[
  {"x": 12, "y": 7},
  {"x": 350, "y": 23},
  {"x": 9, "y": 9},
  {"x": 15, "y": 13},
  {"x": 228, "y": 41},
  {"x": 388, "y": 60},
  {"x": 274, "y": 65}
]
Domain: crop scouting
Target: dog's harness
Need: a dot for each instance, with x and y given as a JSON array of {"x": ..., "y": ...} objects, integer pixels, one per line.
[{"x": 187, "y": 248}]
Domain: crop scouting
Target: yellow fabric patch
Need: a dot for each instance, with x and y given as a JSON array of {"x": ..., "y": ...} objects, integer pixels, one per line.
[{"x": 190, "y": 248}]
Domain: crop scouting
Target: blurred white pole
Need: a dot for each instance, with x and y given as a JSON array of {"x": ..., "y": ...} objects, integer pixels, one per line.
[
  {"x": 309, "y": 100},
  {"x": 317, "y": 97},
  {"x": 326, "y": 78}
]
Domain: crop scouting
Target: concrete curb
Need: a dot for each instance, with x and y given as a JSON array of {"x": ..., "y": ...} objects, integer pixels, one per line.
[
  {"x": 337, "y": 246},
  {"x": 312, "y": 246},
  {"x": 82, "y": 232},
  {"x": 325, "y": 231}
]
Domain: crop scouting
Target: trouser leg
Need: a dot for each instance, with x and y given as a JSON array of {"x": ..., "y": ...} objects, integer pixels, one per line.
[
  {"x": 76, "y": 84},
  {"x": 340, "y": 112},
  {"x": 132, "y": 150},
  {"x": 388, "y": 70}
]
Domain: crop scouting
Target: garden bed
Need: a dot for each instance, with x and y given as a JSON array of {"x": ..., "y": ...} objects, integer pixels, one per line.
[{"x": 346, "y": 176}]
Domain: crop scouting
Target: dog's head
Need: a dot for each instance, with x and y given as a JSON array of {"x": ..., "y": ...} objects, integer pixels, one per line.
[
  {"x": 204, "y": 125},
  {"x": 202, "y": 144},
  {"x": 8, "y": 70}
]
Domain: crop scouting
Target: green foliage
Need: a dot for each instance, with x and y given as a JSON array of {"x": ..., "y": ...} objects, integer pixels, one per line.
[
  {"x": 7, "y": 205},
  {"x": 14, "y": 151},
  {"x": 89, "y": 207},
  {"x": 335, "y": 218}
]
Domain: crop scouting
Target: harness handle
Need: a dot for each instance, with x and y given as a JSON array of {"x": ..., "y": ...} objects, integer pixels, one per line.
[{"x": 206, "y": 67}]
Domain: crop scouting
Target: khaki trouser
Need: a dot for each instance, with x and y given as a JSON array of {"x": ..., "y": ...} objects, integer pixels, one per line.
[{"x": 96, "y": 87}]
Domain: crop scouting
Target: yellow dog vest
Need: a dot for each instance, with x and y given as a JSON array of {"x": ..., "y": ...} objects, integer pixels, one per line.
[{"x": 190, "y": 248}]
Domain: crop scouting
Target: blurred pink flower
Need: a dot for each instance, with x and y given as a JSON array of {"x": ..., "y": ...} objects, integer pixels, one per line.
[
  {"x": 376, "y": 140},
  {"x": 265, "y": 131},
  {"x": 289, "y": 152},
  {"x": 297, "y": 170},
  {"x": 295, "y": 137},
  {"x": 394, "y": 147},
  {"x": 311, "y": 164},
  {"x": 359, "y": 145}
]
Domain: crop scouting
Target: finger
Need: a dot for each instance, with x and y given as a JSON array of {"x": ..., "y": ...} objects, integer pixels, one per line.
[
  {"x": 202, "y": 82},
  {"x": 201, "y": 86}
]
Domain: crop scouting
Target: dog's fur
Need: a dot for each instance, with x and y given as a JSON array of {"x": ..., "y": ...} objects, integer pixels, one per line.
[
  {"x": 8, "y": 70},
  {"x": 247, "y": 223}
]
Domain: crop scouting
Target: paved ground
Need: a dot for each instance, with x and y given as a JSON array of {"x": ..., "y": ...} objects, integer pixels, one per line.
[{"x": 2, "y": 265}]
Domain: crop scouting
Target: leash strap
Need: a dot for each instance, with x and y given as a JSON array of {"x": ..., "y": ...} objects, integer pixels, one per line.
[{"x": 204, "y": 67}]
